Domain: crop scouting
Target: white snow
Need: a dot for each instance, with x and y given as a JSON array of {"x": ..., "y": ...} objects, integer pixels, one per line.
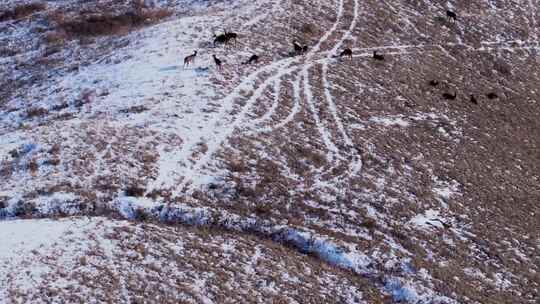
[
  {"x": 390, "y": 121},
  {"x": 429, "y": 220},
  {"x": 20, "y": 237}
]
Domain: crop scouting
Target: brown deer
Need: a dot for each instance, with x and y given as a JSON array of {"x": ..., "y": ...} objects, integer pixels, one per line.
[
  {"x": 231, "y": 36},
  {"x": 378, "y": 56},
  {"x": 346, "y": 53},
  {"x": 492, "y": 95},
  {"x": 190, "y": 59},
  {"x": 217, "y": 61},
  {"x": 298, "y": 49},
  {"x": 252, "y": 59},
  {"x": 473, "y": 100},
  {"x": 449, "y": 96},
  {"x": 220, "y": 39},
  {"x": 451, "y": 15}
]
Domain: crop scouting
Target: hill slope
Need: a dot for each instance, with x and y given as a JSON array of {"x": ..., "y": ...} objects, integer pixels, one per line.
[{"x": 361, "y": 168}]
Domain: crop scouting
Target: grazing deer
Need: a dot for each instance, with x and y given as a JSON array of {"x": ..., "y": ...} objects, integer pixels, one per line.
[
  {"x": 230, "y": 36},
  {"x": 473, "y": 100},
  {"x": 190, "y": 59},
  {"x": 492, "y": 95},
  {"x": 252, "y": 59},
  {"x": 451, "y": 15},
  {"x": 217, "y": 61},
  {"x": 377, "y": 56},
  {"x": 346, "y": 52},
  {"x": 221, "y": 39},
  {"x": 433, "y": 83},
  {"x": 449, "y": 96}
]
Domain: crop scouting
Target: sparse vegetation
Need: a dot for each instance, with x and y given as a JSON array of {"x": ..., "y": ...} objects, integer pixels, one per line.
[
  {"x": 21, "y": 11},
  {"x": 36, "y": 112},
  {"x": 365, "y": 154},
  {"x": 135, "y": 191},
  {"x": 109, "y": 24}
]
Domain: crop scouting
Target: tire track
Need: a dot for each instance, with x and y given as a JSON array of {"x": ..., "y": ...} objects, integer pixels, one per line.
[
  {"x": 308, "y": 92},
  {"x": 275, "y": 104},
  {"x": 226, "y": 122},
  {"x": 294, "y": 110},
  {"x": 356, "y": 165},
  {"x": 213, "y": 144}
]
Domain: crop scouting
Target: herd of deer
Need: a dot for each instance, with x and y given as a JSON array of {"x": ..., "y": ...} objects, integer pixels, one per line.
[
  {"x": 224, "y": 39},
  {"x": 298, "y": 49},
  {"x": 472, "y": 98}
]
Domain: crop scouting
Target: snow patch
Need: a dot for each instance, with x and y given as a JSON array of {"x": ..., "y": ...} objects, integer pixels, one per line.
[{"x": 429, "y": 220}]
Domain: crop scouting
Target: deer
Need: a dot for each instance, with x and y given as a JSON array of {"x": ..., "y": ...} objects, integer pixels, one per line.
[
  {"x": 378, "y": 56},
  {"x": 346, "y": 52},
  {"x": 492, "y": 95},
  {"x": 222, "y": 39},
  {"x": 473, "y": 100},
  {"x": 451, "y": 15},
  {"x": 252, "y": 59},
  {"x": 190, "y": 59},
  {"x": 230, "y": 36},
  {"x": 449, "y": 96},
  {"x": 298, "y": 49},
  {"x": 217, "y": 61},
  {"x": 434, "y": 83}
]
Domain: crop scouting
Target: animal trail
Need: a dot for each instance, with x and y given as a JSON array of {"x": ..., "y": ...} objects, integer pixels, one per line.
[
  {"x": 272, "y": 75},
  {"x": 280, "y": 69}
]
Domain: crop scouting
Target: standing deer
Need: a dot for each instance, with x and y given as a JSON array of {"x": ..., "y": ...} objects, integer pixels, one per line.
[
  {"x": 298, "y": 49},
  {"x": 449, "y": 96},
  {"x": 346, "y": 52},
  {"x": 451, "y": 15},
  {"x": 190, "y": 59},
  {"x": 473, "y": 100},
  {"x": 378, "y": 56},
  {"x": 217, "y": 61},
  {"x": 221, "y": 39},
  {"x": 492, "y": 95},
  {"x": 252, "y": 59},
  {"x": 231, "y": 36}
]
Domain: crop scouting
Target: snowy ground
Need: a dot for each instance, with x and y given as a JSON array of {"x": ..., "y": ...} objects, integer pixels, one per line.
[
  {"x": 104, "y": 260},
  {"x": 362, "y": 163}
]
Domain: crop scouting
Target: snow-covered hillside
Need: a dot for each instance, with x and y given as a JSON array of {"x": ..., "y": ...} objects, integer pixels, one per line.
[{"x": 368, "y": 176}]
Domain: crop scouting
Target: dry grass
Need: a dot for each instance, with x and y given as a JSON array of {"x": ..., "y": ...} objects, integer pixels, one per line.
[
  {"x": 262, "y": 268},
  {"x": 7, "y": 52},
  {"x": 55, "y": 37},
  {"x": 109, "y": 24},
  {"x": 134, "y": 191},
  {"x": 36, "y": 112},
  {"x": 22, "y": 11},
  {"x": 135, "y": 109},
  {"x": 494, "y": 160}
]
